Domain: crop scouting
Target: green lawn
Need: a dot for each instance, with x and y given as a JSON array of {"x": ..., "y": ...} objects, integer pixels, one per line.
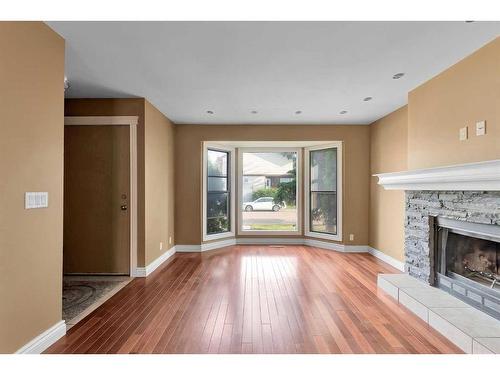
[{"x": 290, "y": 227}]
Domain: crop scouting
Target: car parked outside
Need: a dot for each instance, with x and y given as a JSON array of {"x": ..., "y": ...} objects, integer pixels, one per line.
[{"x": 262, "y": 204}]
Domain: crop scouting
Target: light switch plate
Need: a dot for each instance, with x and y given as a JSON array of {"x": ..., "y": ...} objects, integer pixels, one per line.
[
  {"x": 36, "y": 199},
  {"x": 463, "y": 133},
  {"x": 481, "y": 127}
]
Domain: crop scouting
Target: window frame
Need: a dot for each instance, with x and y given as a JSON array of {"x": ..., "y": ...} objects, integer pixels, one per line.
[
  {"x": 298, "y": 231},
  {"x": 231, "y": 191},
  {"x": 307, "y": 191}
]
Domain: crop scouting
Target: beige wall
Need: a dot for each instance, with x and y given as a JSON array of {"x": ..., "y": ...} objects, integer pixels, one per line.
[
  {"x": 188, "y": 146},
  {"x": 159, "y": 182},
  {"x": 388, "y": 153},
  {"x": 426, "y": 132},
  {"x": 461, "y": 95},
  {"x": 31, "y": 159}
]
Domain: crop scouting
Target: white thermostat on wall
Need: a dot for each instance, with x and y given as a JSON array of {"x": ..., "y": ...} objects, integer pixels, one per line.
[{"x": 36, "y": 199}]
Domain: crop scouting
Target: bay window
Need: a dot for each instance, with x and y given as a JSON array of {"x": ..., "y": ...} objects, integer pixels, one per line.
[
  {"x": 276, "y": 193},
  {"x": 269, "y": 191},
  {"x": 324, "y": 191},
  {"x": 218, "y": 200}
]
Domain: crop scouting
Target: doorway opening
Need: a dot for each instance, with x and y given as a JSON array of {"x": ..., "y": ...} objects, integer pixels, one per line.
[{"x": 100, "y": 182}]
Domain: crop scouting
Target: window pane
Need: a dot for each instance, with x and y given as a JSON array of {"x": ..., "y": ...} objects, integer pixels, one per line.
[
  {"x": 269, "y": 191},
  {"x": 217, "y": 184},
  {"x": 218, "y": 194},
  {"x": 218, "y": 225},
  {"x": 217, "y": 204},
  {"x": 217, "y": 163},
  {"x": 323, "y": 170},
  {"x": 323, "y": 215}
]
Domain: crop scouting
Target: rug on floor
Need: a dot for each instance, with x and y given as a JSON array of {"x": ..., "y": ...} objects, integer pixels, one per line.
[{"x": 80, "y": 294}]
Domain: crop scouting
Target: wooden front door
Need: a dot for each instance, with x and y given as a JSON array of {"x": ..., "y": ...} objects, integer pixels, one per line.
[{"x": 96, "y": 199}]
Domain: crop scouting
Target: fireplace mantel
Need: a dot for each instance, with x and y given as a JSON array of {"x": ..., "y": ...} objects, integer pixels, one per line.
[{"x": 482, "y": 176}]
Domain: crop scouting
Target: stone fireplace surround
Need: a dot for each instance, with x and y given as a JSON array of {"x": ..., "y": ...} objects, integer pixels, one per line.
[
  {"x": 468, "y": 192},
  {"x": 472, "y": 206}
]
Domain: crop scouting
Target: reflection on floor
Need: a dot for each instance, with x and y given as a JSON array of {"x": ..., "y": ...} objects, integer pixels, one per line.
[
  {"x": 83, "y": 294},
  {"x": 256, "y": 299}
]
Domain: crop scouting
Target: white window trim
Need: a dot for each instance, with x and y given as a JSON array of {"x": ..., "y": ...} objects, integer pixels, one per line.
[
  {"x": 232, "y": 200},
  {"x": 297, "y": 232},
  {"x": 308, "y": 232}
]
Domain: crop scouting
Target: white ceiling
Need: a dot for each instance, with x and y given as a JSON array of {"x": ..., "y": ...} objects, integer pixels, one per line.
[{"x": 276, "y": 68}]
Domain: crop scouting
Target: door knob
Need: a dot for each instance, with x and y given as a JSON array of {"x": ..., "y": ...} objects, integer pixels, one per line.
[{"x": 124, "y": 207}]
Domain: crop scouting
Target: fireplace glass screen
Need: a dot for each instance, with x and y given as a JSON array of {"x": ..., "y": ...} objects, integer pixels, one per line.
[
  {"x": 474, "y": 258},
  {"x": 466, "y": 262}
]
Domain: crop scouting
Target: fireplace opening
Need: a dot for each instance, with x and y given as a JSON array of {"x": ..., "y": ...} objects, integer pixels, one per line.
[
  {"x": 473, "y": 258},
  {"x": 467, "y": 262}
]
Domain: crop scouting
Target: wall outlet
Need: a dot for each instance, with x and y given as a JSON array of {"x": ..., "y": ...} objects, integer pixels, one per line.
[
  {"x": 170, "y": 240},
  {"x": 462, "y": 135},
  {"x": 351, "y": 237},
  {"x": 481, "y": 127},
  {"x": 161, "y": 245}
]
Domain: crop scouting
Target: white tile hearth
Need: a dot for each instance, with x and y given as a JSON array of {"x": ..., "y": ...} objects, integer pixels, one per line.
[
  {"x": 451, "y": 332},
  {"x": 402, "y": 280},
  {"x": 468, "y": 328},
  {"x": 471, "y": 321},
  {"x": 419, "y": 300},
  {"x": 388, "y": 287},
  {"x": 486, "y": 345},
  {"x": 433, "y": 297},
  {"x": 414, "y": 306}
]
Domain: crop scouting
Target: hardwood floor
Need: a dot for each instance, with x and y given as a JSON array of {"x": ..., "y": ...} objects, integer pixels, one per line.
[{"x": 256, "y": 299}]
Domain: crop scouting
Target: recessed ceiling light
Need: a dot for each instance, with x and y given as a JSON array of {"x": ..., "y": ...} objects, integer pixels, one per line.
[
  {"x": 210, "y": 112},
  {"x": 343, "y": 112},
  {"x": 298, "y": 112},
  {"x": 398, "y": 75},
  {"x": 367, "y": 99},
  {"x": 254, "y": 112}
]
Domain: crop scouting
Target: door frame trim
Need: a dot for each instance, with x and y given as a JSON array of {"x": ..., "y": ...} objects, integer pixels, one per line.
[{"x": 131, "y": 121}]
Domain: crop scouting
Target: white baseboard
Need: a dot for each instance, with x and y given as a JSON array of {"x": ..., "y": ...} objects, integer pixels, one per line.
[
  {"x": 44, "y": 340},
  {"x": 336, "y": 246},
  {"x": 272, "y": 241},
  {"x": 387, "y": 258},
  {"x": 356, "y": 249},
  {"x": 217, "y": 244},
  {"x": 149, "y": 269},
  {"x": 187, "y": 248},
  {"x": 303, "y": 241}
]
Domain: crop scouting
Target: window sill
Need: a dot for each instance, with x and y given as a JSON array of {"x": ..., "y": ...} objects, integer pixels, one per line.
[
  {"x": 325, "y": 236},
  {"x": 210, "y": 237},
  {"x": 268, "y": 233}
]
